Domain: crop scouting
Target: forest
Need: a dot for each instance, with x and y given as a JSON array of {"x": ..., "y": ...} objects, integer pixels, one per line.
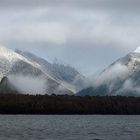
[{"x": 64, "y": 104}]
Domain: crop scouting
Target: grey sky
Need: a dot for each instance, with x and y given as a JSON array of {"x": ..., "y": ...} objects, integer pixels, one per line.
[{"x": 87, "y": 34}]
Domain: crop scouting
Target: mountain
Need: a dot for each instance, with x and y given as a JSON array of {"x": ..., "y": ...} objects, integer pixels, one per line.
[
  {"x": 28, "y": 73},
  {"x": 121, "y": 78},
  {"x": 65, "y": 74}
]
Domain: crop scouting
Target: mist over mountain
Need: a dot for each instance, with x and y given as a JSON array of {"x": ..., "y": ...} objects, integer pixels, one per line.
[
  {"x": 121, "y": 78},
  {"x": 26, "y": 73},
  {"x": 65, "y": 74},
  {"x": 29, "y": 74}
]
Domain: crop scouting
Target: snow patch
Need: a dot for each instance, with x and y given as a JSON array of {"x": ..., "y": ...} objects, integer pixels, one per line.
[{"x": 137, "y": 50}]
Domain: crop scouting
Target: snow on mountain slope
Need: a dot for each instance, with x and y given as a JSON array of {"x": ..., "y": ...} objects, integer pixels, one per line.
[
  {"x": 59, "y": 79},
  {"x": 28, "y": 74},
  {"x": 64, "y": 74},
  {"x": 137, "y": 50},
  {"x": 9, "y": 58},
  {"x": 121, "y": 78}
]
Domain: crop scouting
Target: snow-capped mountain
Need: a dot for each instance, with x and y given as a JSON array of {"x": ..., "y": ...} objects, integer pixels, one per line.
[
  {"x": 31, "y": 74},
  {"x": 65, "y": 74},
  {"x": 120, "y": 78}
]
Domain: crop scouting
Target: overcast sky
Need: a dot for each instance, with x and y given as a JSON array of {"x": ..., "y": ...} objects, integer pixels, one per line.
[{"x": 87, "y": 34}]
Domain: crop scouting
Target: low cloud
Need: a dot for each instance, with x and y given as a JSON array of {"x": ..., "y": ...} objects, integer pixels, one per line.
[
  {"x": 117, "y": 71},
  {"x": 28, "y": 84},
  {"x": 129, "y": 88}
]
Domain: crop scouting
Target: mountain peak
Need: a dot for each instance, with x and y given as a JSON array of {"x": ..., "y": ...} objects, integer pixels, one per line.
[{"x": 137, "y": 50}]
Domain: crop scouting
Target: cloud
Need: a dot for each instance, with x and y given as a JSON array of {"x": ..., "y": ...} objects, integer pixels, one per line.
[
  {"x": 114, "y": 72},
  {"x": 50, "y": 21},
  {"x": 129, "y": 88},
  {"x": 34, "y": 32},
  {"x": 111, "y": 4},
  {"x": 57, "y": 27},
  {"x": 28, "y": 84}
]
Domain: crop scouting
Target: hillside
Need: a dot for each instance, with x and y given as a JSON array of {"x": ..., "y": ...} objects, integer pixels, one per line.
[{"x": 121, "y": 78}]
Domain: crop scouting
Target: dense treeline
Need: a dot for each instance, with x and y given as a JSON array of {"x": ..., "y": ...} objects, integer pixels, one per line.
[{"x": 44, "y": 104}]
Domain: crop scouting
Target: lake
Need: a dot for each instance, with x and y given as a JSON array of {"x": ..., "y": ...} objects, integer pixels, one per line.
[{"x": 69, "y": 127}]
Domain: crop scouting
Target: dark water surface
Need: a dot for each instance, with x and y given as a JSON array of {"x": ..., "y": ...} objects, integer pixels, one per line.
[{"x": 69, "y": 127}]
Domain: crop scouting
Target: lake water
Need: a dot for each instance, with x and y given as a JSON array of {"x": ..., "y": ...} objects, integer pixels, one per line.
[{"x": 69, "y": 127}]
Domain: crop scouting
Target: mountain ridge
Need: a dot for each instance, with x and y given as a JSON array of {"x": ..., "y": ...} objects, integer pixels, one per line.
[
  {"x": 119, "y": 78},
  {"x": 21, "y": 67}
]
